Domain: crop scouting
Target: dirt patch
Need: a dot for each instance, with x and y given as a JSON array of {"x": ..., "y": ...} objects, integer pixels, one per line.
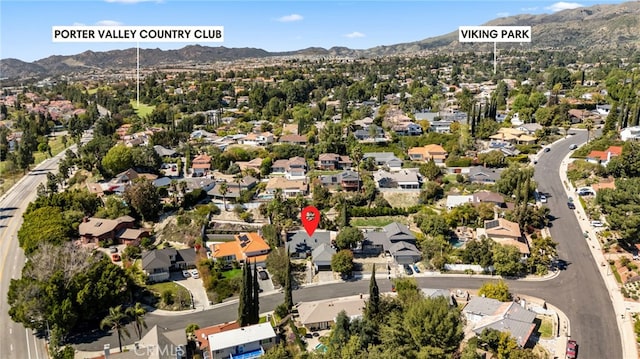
[{"x": 401, "y": 200}]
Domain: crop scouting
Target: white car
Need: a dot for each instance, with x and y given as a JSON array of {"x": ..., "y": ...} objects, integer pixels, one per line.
[
  {"x": 597, "y": 224},
  {"x": 195, "y": 274},
  {"x": 186, "y": 274},
  {"x": 543, "y": 198}
]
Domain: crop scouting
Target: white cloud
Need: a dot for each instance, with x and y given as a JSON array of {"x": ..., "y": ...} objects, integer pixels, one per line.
[
  {"x": 290, "y": 18},
  {"x": 108, "y": 23},
  {"x": 562, "y": 5},
  {"x": 502, "y": 14},
  {"x": 354, "y": 35},
  {"x": 527, "y": 9}
]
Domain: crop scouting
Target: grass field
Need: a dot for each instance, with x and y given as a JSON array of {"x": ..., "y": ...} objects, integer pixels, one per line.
[
  {"x": 546, "y": 328},
  {"x": 377, "y": 221},
  {"x": 9, "y": 179},
  {"x": 142, "y": 110},
  {"x": 232, "y": 273}
]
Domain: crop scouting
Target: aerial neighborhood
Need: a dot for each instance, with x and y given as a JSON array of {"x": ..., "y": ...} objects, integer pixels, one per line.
[{"x": 439, "y": 185}]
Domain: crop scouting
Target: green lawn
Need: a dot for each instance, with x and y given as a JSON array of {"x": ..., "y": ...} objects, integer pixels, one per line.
[
  {"x": 546, "y": 328},
  {"x": 142, "y": 110},
  {"x": 232, "y": 273},
  {"x": 376, "y": 221},
  {"x": 178, "y": 293},
  {"x": 9, "y": 179}
]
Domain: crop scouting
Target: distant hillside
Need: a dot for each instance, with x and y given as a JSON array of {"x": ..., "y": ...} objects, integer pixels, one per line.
[{"x": 595, "y": 28}]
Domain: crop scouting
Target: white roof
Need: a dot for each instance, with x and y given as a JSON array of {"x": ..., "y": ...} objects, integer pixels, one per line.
[
  {"x": 458, "y": 200},
  {"x": 240, "y": 336}
]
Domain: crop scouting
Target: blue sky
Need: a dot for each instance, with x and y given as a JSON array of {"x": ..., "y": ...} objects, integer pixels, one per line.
[{"x": 25, "y": 26}]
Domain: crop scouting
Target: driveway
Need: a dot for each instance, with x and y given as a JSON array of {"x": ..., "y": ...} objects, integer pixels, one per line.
[{"x": 195, "y": 287}]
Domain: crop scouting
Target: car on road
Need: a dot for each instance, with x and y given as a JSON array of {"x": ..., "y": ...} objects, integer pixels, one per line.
[
  {"x": 572, "y": 349},
  {"x": 195, "y": 274},
  {"x": 316, "y": 334},
  {"x": 547, "y": 149},
  {"x": 308, "y": 335},
  {"x": 543, "y": 198},
  {"x": 407, "y": 269},
  {"x": 571, "y": 205},
  {"x": 186, "y": 274},
  {"x": 573, "y": 146}
]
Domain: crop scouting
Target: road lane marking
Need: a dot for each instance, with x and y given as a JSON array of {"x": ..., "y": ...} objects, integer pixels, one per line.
[
  {"x": 35, "y": 344},
  {"x": 26, "y": 332}
]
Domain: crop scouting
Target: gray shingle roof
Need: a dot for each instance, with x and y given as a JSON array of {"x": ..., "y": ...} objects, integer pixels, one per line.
[{"x": 323, "y": 253}]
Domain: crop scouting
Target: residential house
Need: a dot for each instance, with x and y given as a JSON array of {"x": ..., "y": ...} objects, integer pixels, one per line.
[
  {"x": 258, "y": 139},
  {"x": 429, "y": 152},
  {"x": 202, "y": 335},
  {"x": 204, "y": 136},
  {"x": 510, "y": 317},
  {"x": 603, "y": 110},
  {"x": 322, "y": 315},
  {"x": 301, "y": 245},
  {"x": 603, "y": 157},
  {"x": 484, "y": 175},
  {"x": 505, "y": 232},
  {"x": 576, "y": 116},
  {"x": 124, "y": 179},
  {"x": 247, "y": 247},
  {"x": 372, "y": 134},
  {"x": 165, "y": 152},
  {"x": 201, "y": 165},
  {"x": 403, "y": 179},
  {"x": 529, "y": 128},
  {"x": 475, "y": 199},
  {"x": 440, "y": 126},
  {"x": 290, "y": 188},
  {"x": 294, "y": 139},
  {"x": 514, "y": 136},
  {"x": 387, "y": 239},
  {"x": 246, "y": 342},
  {"x": 321, "y": 257},
  {"x": 294, "y": 168},
  {"x": 331, "y": 162},
  {"x": 233, "y": 188},
  {"x": 630, "y": 133},
  {"x": 254, "y": 164},
  {"x": 159, "y": 263},
  {"x": 407, "y": 129},
  {"x": 346, "y": 180},
  {"x": 384, "y": 159},
  {"x": 119, "y": 230}
]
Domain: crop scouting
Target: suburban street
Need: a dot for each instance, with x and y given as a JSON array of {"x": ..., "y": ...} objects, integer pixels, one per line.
[
  {"x": 579, "y": 291},
  {"x": 16, "y": 341}
]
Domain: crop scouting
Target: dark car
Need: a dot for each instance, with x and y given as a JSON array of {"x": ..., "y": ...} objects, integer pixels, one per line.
[
  {"x": 407, "y": 269},
  {"x": 308, "y": 335},
  {"x": 572, "y": 349},
  {"x": 547, "y": 149},
  {"x": 263, "y": 275},
  {"x": 571, "y": 205}
]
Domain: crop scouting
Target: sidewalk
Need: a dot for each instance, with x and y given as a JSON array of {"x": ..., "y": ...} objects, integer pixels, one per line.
[{"x": 622, "y": 309}]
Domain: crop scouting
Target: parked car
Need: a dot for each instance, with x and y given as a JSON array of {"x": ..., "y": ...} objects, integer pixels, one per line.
[
  {"x": 573, "y": 146},
  {"x": 113, "y": 249},
  {"x": 571, "y": 205},
  {"x": 308, "y": 335},
  {"x": 416, "y": 269},
  {"x": 572, "y": 349},
  {"x": 316, "y": 334},
  {"x": 547, "y": 149},
  {"x": 597, "y": 224},
  {"x": 263, "y": 275},
  {"x": 407, "y": 269},
  {"x": 543, "y": 198},
  {"x": 195, "y": 274},
  {"x": 186, "y": 274}
]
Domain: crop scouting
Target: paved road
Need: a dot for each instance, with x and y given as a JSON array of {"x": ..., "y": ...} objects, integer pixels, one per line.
[
  {"x": 580, "y": 291},
  {"x": 16, "y": 341}
]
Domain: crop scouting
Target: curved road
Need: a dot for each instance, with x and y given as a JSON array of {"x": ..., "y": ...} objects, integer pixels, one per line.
[{"x": 579, "y": 291}]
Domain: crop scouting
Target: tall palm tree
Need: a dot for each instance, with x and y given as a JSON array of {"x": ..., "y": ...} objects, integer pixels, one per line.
[
  {"x": 224, "y": 189},
  {"x": 588, "y": 124},
  {"x": 136, "y": 314},
  {"x": 237, "y": 178},
  {"x": 116, "y": 320}
]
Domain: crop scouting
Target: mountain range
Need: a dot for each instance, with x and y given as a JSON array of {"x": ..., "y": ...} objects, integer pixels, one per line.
[{"x": 607, "y": 28}]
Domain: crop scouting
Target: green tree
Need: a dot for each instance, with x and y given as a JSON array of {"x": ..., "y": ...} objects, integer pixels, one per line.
[
  {"x": 430, "y": 170},
  {"x": 255, "y": 300},
  {"x": 348, "y": 237},
  {"x": 342, "y": 262},
  {"x": 340, "y": 332},
  {"x": 288, "y": 282},
  {"x": 43, "y": 225},
  {"x": 136, "y": 314},
  {"x": 506, "y": 260},
  {"x": 496, "y": 290},
  {"x": 24, "y": 157},
  {"x": 433, "y": 323},
  {"x": 114, "y": 207},
  {"x": 143, "y": 197},
  {"x": 224, "y": 189},
  {"x": 280, "y": 351},
  {"x": 119, "y": 158},
  {"x": 373, "y": 305},
  {"x": 116, "y": 321},
  {"x": 244, "y": 305}
]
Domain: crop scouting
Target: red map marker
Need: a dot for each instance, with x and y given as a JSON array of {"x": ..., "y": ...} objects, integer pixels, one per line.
[{"x": 310, "y": 218}]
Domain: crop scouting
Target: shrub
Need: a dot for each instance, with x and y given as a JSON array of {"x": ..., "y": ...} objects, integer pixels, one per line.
[{"x": 167, "y": 297}]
